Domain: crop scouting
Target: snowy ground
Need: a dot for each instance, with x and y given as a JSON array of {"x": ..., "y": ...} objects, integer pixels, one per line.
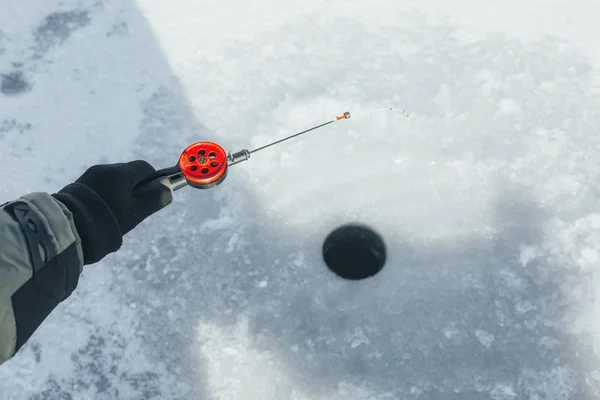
[{"x": 488, "y": 196}]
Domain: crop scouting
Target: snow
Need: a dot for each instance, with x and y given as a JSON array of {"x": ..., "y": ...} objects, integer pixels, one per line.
[
  {"x": 485, "y": 338},
  {"x": 487, "y": 196}
]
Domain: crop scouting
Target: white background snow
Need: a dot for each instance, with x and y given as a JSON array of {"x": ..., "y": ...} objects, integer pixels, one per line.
[{"x": 488, "y": 196}]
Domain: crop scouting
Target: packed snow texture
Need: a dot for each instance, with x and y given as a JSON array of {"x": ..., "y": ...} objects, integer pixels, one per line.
[{"x": 488, "y": 196}]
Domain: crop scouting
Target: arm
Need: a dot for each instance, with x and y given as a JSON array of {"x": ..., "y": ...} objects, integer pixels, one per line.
[
  {"x": 41, "y": 258},
  {"x": 45, "y": 240}
]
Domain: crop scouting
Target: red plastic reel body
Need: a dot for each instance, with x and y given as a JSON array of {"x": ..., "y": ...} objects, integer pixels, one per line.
[{"x": 203, "y": 164}]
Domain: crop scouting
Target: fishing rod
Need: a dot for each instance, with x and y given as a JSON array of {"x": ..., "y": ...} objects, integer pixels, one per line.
[{"x": 204, "y": 165}]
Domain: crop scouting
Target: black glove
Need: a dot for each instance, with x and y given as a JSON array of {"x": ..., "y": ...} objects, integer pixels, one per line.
[{"x": 107, "y": 202}]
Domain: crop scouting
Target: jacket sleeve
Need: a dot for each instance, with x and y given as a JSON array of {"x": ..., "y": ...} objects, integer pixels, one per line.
[{"x": 41, "y": 258}]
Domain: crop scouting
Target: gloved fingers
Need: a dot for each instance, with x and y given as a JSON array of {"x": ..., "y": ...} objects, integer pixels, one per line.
[
  {"x": 153, "y": 191},
  {"x": 125, "y": 173},
  {"x": 96, "y": 173},
  {"x": 141, "y": 171},
  {"x": 150, "y": 198},
  {"x": 145, "y": 180}
]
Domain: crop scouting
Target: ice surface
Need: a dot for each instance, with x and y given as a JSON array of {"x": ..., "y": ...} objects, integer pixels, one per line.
[{"x": 487, "y": 196}]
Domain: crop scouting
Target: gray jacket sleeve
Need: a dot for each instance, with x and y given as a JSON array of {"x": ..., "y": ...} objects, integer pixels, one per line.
[{"x": 41, "y": 259}]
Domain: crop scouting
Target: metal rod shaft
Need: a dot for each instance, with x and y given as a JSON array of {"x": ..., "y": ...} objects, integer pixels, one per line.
[{"x": 346, "y": 115}]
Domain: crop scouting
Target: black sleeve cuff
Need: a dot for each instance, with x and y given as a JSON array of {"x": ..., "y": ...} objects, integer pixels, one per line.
[
  {"x": 96, "y": 224},
  {"x": 36, "y": 299}
]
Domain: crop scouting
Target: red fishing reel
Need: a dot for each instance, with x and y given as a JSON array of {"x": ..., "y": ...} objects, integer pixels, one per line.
[{"x": 203, "y": 165}]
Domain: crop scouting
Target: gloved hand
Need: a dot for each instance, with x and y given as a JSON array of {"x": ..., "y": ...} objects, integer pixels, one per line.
[{"x": 107, "y": 202}]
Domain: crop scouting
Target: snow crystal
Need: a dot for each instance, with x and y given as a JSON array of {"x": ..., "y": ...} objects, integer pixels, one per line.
[
  {"x": 528, "y": 254},
  {"x": 590, "y": 254},
  {"x": 503, "y": 391},
  {"x": 484, "y": 337},
  {"x": 508, "y": 106}
]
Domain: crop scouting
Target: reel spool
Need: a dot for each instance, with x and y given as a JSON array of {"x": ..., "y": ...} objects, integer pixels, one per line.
[{"x": 203, "y": 165}]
